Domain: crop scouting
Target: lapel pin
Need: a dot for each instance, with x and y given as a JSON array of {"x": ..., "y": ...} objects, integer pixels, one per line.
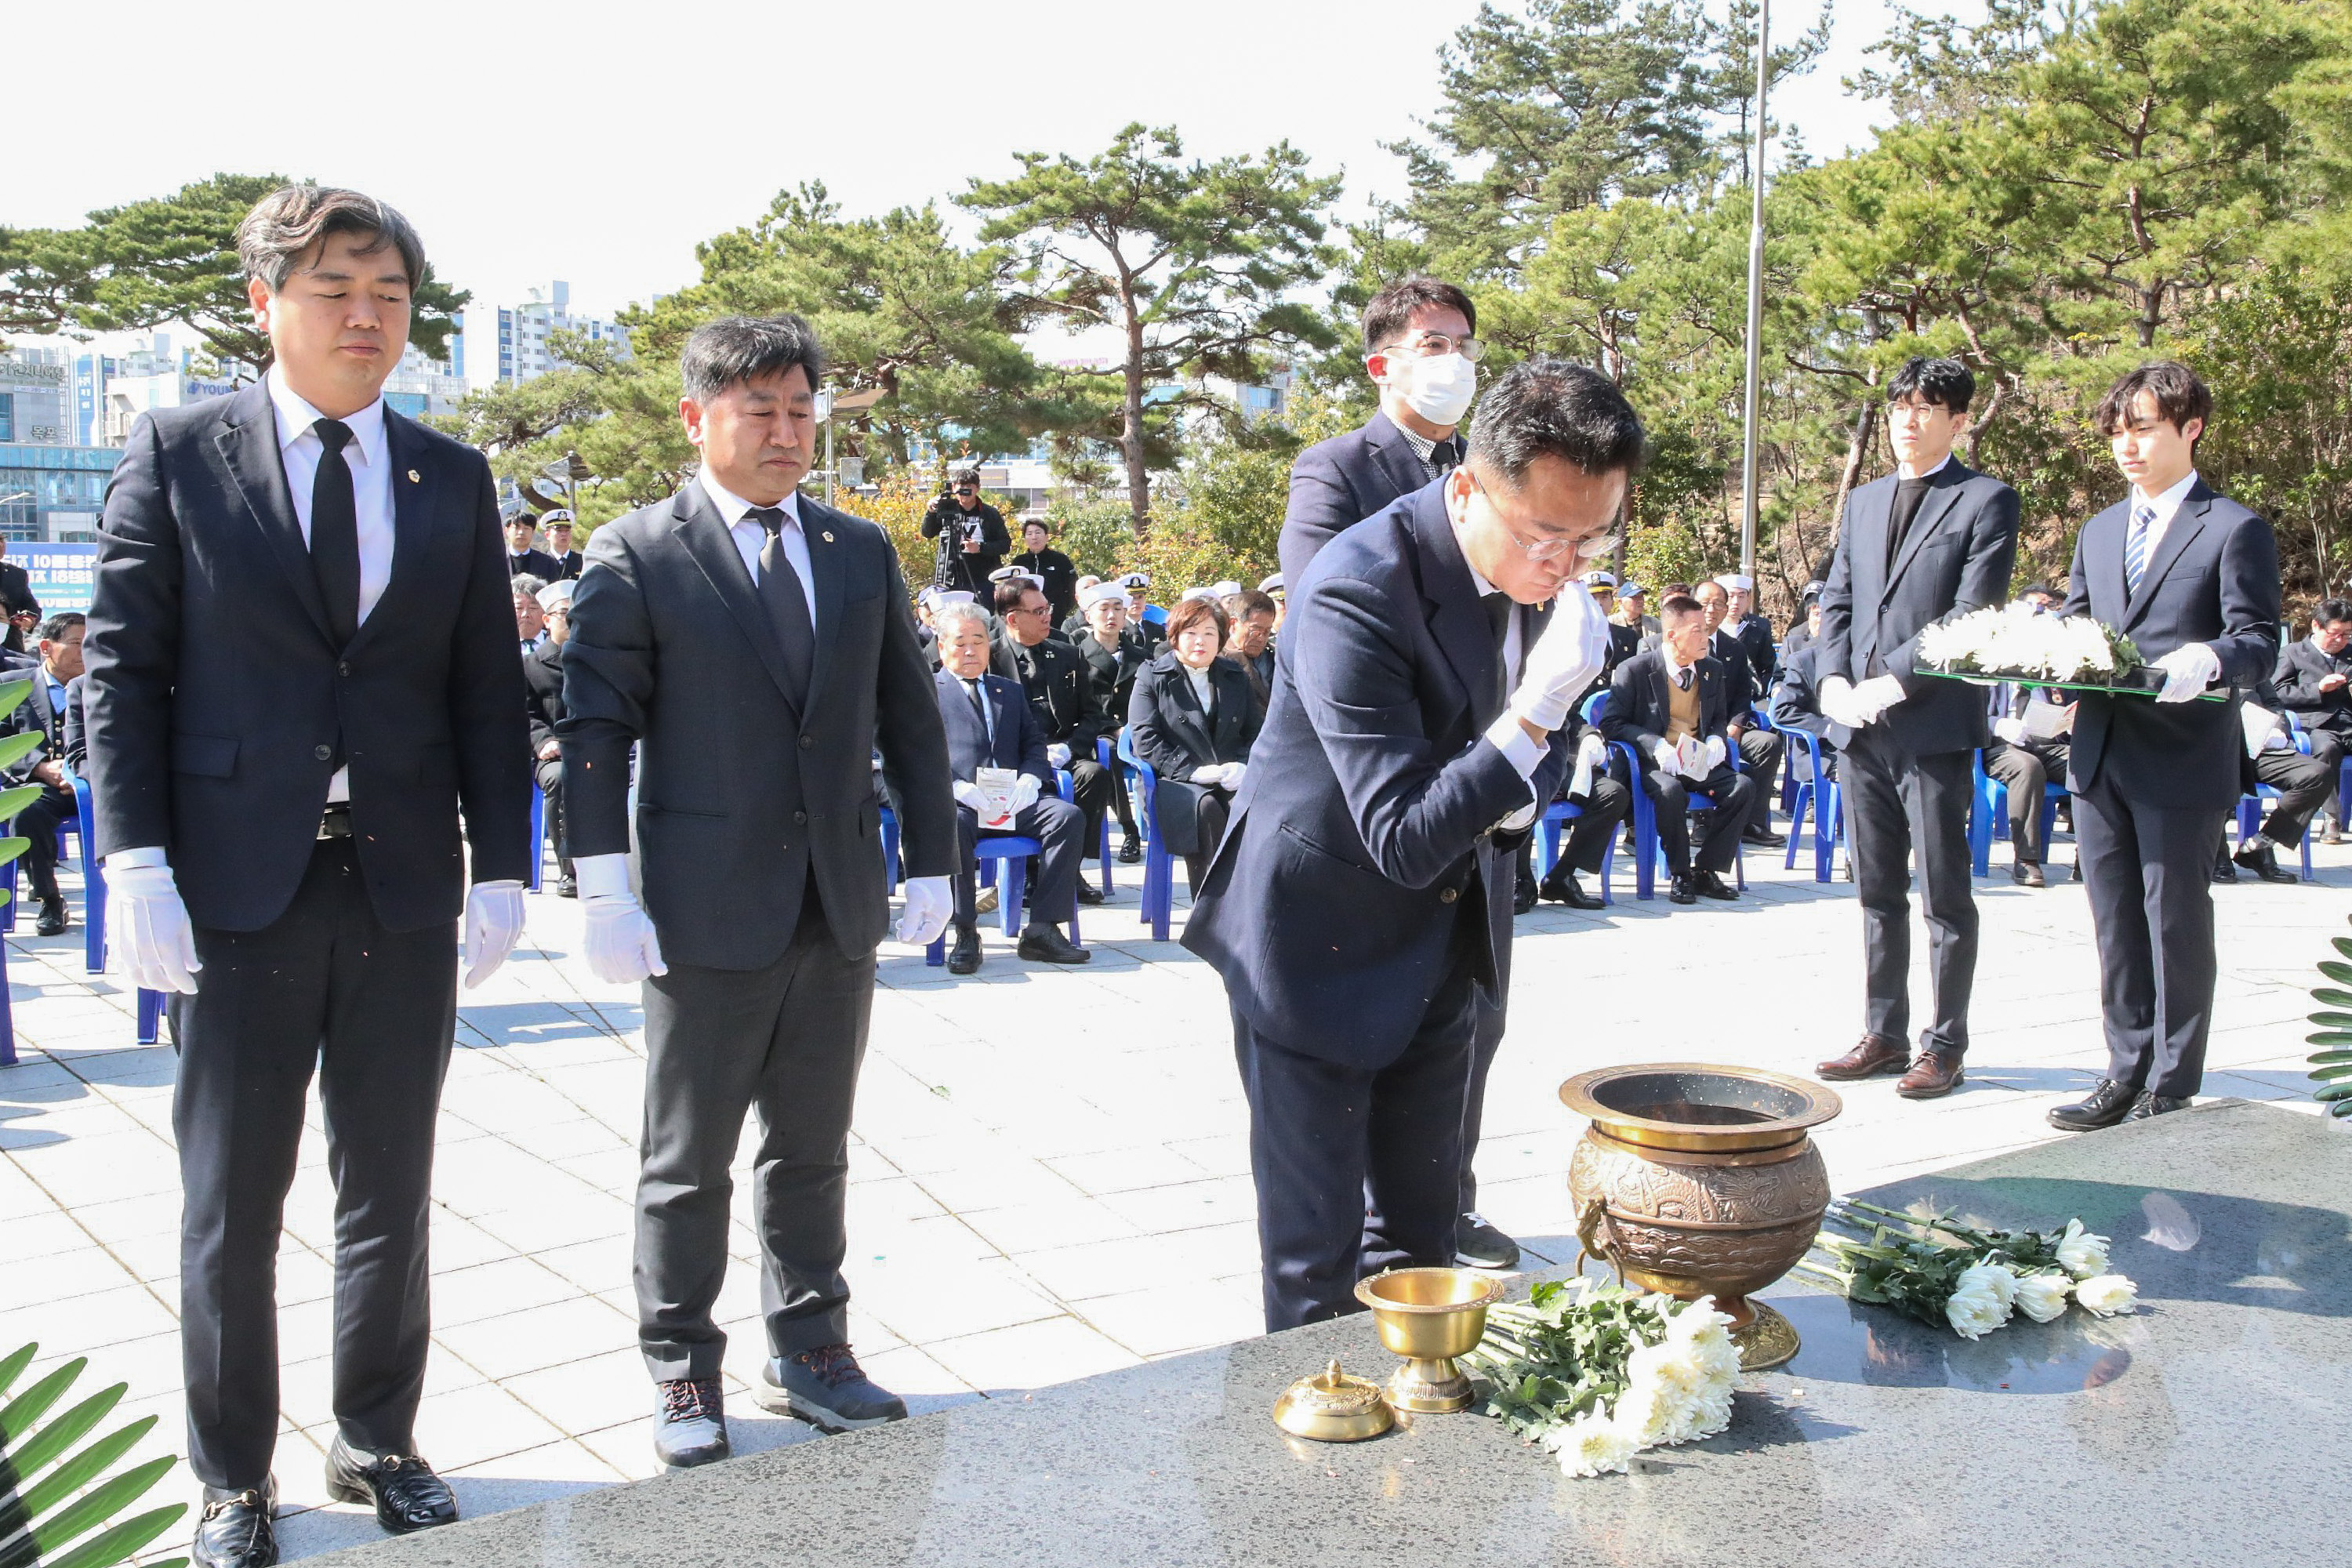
[
  {"x": 828, "y": 536},
  {"x": 415, "y": 477}
]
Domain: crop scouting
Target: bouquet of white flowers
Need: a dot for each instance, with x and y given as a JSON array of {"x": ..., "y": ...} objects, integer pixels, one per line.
[
  {"x": 1970, "y": 1281},
  {"x": 1597, "y": 1372},
  {"x": 2016, "y": 644}
]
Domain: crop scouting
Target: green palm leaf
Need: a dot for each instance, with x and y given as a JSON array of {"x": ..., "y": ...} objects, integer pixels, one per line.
[
  {"x": 64, "y": 1431},
  {"x": 15, "y": 692},
  {"x": 30, "y": 1406},
  {"x": 12, "y": 1367},
  {"x": 83, "y": 1468},
  {"x": 17, "y": 748},
  {"x": 16, "y": 799},
  {"x": 118, "y": 1544}
]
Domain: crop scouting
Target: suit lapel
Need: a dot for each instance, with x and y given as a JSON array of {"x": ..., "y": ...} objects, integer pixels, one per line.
[
  {"x": 250, "y": 447},
  {"x": 824, "y": 570},
  {"x": 1662, "y": 692},
  {"x": 1456, "y": 620},
  {"x": 412, "y": 522},
  {"x": 712, "y": 548},
  {"x": 1394, "y": 457},
  {"x": 1933, "y": 506},
  {"x": 1188, "y": 708},
  {"x": 2186, "y": 524}
]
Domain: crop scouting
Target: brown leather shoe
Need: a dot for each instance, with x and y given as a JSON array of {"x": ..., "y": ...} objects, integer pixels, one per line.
[
  {"x": 1932, "y": 1074},
  {"x": 1874, "y": 1056}
]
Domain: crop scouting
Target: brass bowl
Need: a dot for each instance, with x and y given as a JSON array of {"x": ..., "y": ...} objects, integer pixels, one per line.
[
  {"x": 1429, "y": 1316},
  {"x": 1333, "y": 1407},
  {"x": 1702, "y": 1180}
]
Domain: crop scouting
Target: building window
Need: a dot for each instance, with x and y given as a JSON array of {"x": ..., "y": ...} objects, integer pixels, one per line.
[{"x": 7, "y": 416}]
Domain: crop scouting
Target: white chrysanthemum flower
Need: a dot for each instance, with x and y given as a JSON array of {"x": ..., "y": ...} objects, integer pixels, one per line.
[
  {"x": 2042, "y": 1297},
  {"x": 2081, "y": 1253},
  {"x": 1981, "y": 1303},
  {"x": 2107, "y": 1295},
  {"x": 1591, "y": 1445}
]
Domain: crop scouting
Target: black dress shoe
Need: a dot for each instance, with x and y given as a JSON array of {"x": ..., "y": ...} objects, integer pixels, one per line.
[
  {"x": 1711, "y": 885},
  {"x": 53, "y": 921},
  {"x": 2103, "y": 1107},
  {"x": 963, "y": 955},
  {"x": 1523, "y": 897},
  {"x": 1046, "y": 944},
  {"x": 690, "y": 1428},
  {"x": 1565, "y": 891},
  {"x": 2224, "y": 868},
  {"x": 1130, "y": 850},
  {"x": 407, "y": 1495},
  {"x": 238, "y": 1530},
  {"x": 567, "y": 886},
  {"x": 1088, "y": 893},
  {"x": 1479, "y": 1245},
  {"x": 2148, "y": 1105},
  {"x": 2026, "y": 874},
  {"x": 1763, "y": 838},
  {"x": 2256, "y": 855},
  {"x": 1681, "y": 891},
  {"x": 2076, "y": 874}
]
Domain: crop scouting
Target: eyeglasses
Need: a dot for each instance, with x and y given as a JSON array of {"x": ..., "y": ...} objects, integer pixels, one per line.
[
  {"x": 1547, "y": 548},
  {"x": 1429, "y": 345}
]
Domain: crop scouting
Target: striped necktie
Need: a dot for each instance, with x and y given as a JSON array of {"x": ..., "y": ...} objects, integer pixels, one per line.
[{"x": 2136, "y": 546}]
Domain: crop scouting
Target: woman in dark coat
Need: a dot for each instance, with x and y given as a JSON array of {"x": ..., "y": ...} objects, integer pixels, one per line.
[{"x": 1193, "y": 719}]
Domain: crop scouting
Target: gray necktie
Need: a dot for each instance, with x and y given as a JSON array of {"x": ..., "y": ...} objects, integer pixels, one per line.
[{"x": 786, "y": 601}]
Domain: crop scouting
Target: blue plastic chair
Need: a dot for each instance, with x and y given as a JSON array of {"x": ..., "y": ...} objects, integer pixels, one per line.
[
  {"x": 890, "y": 849},
  {"x": 538, "y": 834},
  {"x": 1159, "y": 865},
  {"x": 1821, "y": 795},
  {"x": 1014, "y": 852},
  {"x": 93, "y": 950},
  {"x": 1106, "y": 760},
  {"x": 1989, "y": 807},
  {"x": 1548, "y": 836}
]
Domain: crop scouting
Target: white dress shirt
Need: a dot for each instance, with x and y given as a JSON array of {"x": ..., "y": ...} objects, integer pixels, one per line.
[
  {"x": 369, "y": 456},
  {"x": 1202, "y": 693},
  {"x": 1523, "y": 750},
  {"x": 751, "y": 538},
  {"x": 2166, "y": 506}
]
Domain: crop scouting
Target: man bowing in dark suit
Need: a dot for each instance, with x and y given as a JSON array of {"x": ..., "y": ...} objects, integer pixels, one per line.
[
  {"x": 2192, "y": 578},
  {"x": 1933, "y": 540},
  {"x": 304, "y": 709},
  {"x": 757, "y": 646},
  {"x": 1419, "y": 350},
  {"x": 1360, "y": 908}
]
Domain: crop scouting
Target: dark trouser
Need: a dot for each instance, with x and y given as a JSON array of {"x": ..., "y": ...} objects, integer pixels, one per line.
[
  {"x": 2149, "y": 872},
  {"x": 2025, "y": 770},
  {"x": 1094, "y": 786},
  {"x": 2327, "y": 748},
  {"x": 1896, "y": 802},
  {"x": 787, "y": 1041},
  {"x": 2303, "y": 784},
  {"x": 1759, "y": 751},
  {"x": 1609, "y": 804},
  {"x": 1735, "y": 798},
  {"x": 1053, "y": 897},
  {"x": 1327, "y": 1140},
  {"x": 1210, "y": 812},
  {"x": 550, "y": 773},
  {"x": 324, "y": 986},
  {"x": 1122, "y": 803},
  {"x": 37, "y": 826}
]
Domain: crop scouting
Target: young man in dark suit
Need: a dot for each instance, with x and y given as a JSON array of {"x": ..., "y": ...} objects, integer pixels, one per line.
[
  {"x": 1359, "y": 908},
  {"x": 992, "y": 722},
  {"x": 47, "y": 712},
  {"x": 756, "y": 648},
  {"x": 1420, "y": 351},
  {"x": 1933, "y": 540},
  {"x": 305, "y": 706},
  {"x": 2192, "y": 578},
  {"x": 1060, "y": 686},
  {"x": 524, "y": 558},
  {"x": 1660, "y": 699}
]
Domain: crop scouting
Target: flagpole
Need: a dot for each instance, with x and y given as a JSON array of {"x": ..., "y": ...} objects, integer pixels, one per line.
[{"x": 1748, "y": 498}]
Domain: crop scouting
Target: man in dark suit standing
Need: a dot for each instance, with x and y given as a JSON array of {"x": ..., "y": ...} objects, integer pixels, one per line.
[
  {"x": 568, "y": 563},
  {"x": 757, "y": 647},
  {"x": 1419, "y": 352},
  {"x": 1060, "y": 687},
  {"x": 1930, "y": 540},
  {"x": 525, "y": 559},
  {"x": 1359, "y": 906},
  {"x": 46, "y": 711},
  {"x": 2192, "y": 578},
  {"x": 991, "y": 723},
  {"x": 17, "y": 601},
  {"x": 1671, "y": 704},
  {"x": 304, "y": 709}
]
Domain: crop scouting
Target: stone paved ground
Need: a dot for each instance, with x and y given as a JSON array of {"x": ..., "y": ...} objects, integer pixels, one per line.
[{"x": 1049, "y": 1172}]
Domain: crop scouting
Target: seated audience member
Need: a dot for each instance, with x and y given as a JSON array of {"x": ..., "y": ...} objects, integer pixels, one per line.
[
  {"x": 1141, "y": 623},
  {"x": 1192, "y": 718},
  {"x": 1271, "y": 585},
  {"x": 1745, "y": 685},
  {"x": 1753, "y": 628},
  {"x": 44, "y": 711},
  {"x": 1059, "y": 573},
  {"x": 2303, "y": 784},
  {"x": 1115, "y": 657},
  {"x": 568, "y": 563},
  {"x": 542, "y": 682},
  {"x": 2314, "y": 678},
  {"x": 2029, "y": 749},
  {"x": 990, "y": 725},
  {"x": 1632, "y": 600},
  {"x": 1252, "y": 614},
  {"x": 1060, "y": 687},
  {"x": 1659, "y": 699},
  {"x": 530, "y": 620},
  {"x": 1073, "y": 625},
  {"x": 1808, "y": 621},
  {"x": 77, "y": 736},
  {"x": 1624, "y": 641},
  {"x": 1602, "y": 804}
]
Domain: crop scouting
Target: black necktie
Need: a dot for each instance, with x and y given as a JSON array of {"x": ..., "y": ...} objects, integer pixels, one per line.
[
  {"x": 1683, "y": 678},
  {"x": 980, "y": 706},
  {"x": 1909, "y": 494},
  {"x": 335, "y": 531},
  {"x": 1446, "y": 455},
  {"x": 787, "y": 602}
]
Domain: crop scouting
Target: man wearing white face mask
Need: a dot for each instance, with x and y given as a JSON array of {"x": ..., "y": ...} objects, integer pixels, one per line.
[{"x": 1419, "y": 352}]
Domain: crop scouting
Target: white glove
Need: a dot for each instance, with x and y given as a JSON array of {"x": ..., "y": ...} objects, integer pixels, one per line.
[
  {"x": 1873, "y": 697},
  {"x": 1234, "y": 773},
  {"x": 1662, "y": 753},
  {"x": 147, "y": 923},
  {"x": 2188, "y": 669},
  {"x": 1024, "y": 793},
  {"x": 2009, "y": 729},
  {"x": 1210, "y": 774},
  {"x": 493, "y": 925},
  {"x": 1834, "y": 697},
  {"x": 622, "y": 946},
  {"x": 1058, "y": 755},
  {"x": 930, "y": 902},
  {"x": 1564, "y": 660},
  {"x": 1716, "y": 751},
  {"x": 968, "y": 794}
]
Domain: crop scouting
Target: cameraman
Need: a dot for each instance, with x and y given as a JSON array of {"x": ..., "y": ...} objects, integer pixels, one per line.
[{"x": 971, "y": 535}]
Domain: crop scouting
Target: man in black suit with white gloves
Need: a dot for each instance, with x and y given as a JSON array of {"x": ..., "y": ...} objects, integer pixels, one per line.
[
  {"x": 2192, "y": 578},
  {"x": 1359, "y": 908},
  {"x": 1934, "y": 539},
  {"x": 757, "y": 647},
  {"x": 301, "y": 672}
]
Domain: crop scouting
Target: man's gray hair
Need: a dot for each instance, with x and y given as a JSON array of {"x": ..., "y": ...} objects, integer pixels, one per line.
[
  {"x": 1549, "y": 408},
  {"x": 293, "y": 221},
  {"x": 524, "y": 582},
  {"x": 737, "y": 349},
  {"x": 945, "y": 619}
]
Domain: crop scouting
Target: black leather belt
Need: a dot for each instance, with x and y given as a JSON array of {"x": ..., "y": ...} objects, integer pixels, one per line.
[{"x": 335, "y": 822}]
